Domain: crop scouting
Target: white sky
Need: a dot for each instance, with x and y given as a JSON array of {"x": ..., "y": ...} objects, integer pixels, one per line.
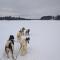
[{"x": 29, "y": 8}]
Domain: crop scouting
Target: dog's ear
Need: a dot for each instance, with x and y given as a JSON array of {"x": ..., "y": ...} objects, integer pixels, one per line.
[{"x": 23, "y": 28}]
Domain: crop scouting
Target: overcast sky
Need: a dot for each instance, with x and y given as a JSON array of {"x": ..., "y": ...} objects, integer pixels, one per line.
[{"x": 29, "y": 8}]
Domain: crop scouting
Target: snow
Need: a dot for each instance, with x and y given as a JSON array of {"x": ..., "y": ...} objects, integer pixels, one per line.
[{"x": 44, "y": 39}]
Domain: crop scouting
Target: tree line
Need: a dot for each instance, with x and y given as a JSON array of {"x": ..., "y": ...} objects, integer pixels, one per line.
[
  {"x": 50, "y": 17},
  {"x": 42, "y": 18},
  {"x": 12, "y": 18}
]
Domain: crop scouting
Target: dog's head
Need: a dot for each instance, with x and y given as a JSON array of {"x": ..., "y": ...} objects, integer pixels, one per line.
[
  {"x": 24, "y": 31},
  {"x": 23, "y": 28},
  {"x": 27, "y": 31},
  {"x": 11, "y": 38},
  {"x": 21, "y": 31}
]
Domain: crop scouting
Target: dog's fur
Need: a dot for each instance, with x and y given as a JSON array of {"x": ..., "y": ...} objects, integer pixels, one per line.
[
  {"x": 22, "y": 32},
  {"x": 9, "y": 46},
  {"x": 23, "y": 40},
  {"x": 23, "y": 45}
]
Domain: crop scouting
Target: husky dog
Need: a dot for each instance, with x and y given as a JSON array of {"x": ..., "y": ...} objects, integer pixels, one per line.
[
  {"x": 9, "y": 46},
  {"x": 22, "y": 32},
  {"x": 23, "y": 38},
  {"x": 23, "y": 45}
]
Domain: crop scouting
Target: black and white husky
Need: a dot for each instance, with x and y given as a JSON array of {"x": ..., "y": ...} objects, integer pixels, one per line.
[{"x": 9, "y": 46}]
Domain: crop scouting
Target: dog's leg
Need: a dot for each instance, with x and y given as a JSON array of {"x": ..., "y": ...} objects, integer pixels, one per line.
[
  {"x": 12, "y": 51},
  {"x": 7, "y": 51},
  {"x": 12, "y": 54},
  {"x": 23, "y": 50}
]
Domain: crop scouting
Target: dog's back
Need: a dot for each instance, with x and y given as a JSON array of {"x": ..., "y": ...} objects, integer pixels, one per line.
[{"x": 9, "y": 45}]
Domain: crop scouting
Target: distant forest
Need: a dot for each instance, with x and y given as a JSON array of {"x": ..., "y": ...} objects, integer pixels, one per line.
[
  {"x": 12, "y": 18},
  {"x": 42, "y": 18},
  {"x": 50, "y": 17}
]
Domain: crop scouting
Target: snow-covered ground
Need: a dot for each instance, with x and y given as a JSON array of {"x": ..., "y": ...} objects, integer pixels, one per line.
[{"x": 44, "y": 39}]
